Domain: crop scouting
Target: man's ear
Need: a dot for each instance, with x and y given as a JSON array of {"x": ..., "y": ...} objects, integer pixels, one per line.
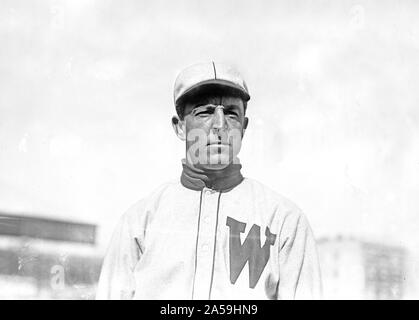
[
  {"x": 245, "y": 124},
  {"x": 179, "y": 127}
]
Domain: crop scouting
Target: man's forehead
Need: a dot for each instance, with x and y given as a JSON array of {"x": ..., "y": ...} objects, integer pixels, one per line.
[{"x": 218, "y": 100}]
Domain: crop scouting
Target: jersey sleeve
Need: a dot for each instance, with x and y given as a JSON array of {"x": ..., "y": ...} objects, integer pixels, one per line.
[
  {"x": 299, "y": 270},
  {"x": 117, "y": 280}
]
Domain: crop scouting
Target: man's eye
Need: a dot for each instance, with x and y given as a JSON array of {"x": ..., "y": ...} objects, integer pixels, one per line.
[
  {"x": 202, "y": 113},
  {"x": 232, "y": 114}
]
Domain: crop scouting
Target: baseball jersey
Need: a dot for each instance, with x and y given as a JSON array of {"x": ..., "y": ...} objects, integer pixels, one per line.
[{"x": 244, "y": 243}]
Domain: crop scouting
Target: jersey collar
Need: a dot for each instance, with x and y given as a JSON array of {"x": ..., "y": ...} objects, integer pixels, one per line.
[{"x": 220, "y": 180}]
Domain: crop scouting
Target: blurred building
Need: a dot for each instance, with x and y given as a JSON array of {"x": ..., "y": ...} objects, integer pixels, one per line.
[
  {"x": 43, "y": 258},
  {"x": 356, "y": 269}
]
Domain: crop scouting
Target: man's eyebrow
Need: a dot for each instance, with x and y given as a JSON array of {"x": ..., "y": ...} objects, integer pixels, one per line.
[
  {"x": 204, "y": 105},
  {"x": 232, "y": 106}
]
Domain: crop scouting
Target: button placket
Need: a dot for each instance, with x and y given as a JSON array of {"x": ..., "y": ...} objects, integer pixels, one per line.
[{"x": 206, "y": 241}]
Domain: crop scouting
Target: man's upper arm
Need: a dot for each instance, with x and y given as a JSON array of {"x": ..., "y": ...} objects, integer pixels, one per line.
[
  {"x": 117, "y": 275},
  {"x": 298, "y": 259}
]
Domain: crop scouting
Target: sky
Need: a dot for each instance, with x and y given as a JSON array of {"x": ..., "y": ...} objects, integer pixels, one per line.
[{"x": 86, "y": 103}]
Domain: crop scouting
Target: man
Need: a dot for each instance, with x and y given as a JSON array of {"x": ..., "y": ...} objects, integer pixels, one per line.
[{"x": 212, "y": 234}]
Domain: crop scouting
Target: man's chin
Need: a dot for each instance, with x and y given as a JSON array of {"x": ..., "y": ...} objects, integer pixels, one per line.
[
  {"x": 216, "y": 162},
  {"x": 214, "y": 166}
]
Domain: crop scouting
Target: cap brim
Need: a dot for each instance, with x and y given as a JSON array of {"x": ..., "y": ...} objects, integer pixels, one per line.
[{"x": 214, "y": 82}]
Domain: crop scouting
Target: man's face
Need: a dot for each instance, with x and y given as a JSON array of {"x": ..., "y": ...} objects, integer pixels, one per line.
[{"x": 214, "y": 127}]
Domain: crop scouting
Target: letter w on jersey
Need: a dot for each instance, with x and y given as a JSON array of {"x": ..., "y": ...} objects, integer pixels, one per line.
[{"x": 250, "y": 250}]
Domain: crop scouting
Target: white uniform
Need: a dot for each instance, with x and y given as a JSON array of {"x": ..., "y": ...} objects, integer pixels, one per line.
[{"x": 178, "y": 243}]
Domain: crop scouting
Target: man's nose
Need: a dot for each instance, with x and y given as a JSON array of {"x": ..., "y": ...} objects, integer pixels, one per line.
[{"x": 219, "y": 118}]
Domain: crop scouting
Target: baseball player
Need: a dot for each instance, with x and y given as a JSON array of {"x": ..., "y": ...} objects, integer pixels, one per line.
[{"x": 212, "y": 234}]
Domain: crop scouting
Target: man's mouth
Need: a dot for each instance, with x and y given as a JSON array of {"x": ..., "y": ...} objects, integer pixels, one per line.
[{"x": 217, "y": 143}]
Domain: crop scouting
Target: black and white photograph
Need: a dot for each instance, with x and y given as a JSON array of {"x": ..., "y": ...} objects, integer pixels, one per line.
[{"x": 209, "y": 150}]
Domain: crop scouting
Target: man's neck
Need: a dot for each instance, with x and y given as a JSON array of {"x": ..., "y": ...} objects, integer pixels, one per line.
[{"x": 222, "y": 180}]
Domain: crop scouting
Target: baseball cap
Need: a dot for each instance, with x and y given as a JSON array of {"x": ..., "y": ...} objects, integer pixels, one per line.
[{"x": 209, "y": 74}]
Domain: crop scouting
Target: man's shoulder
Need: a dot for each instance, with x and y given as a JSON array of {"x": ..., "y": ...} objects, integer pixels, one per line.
[
  {"x": 288, "y": 212},
  {"x": 274, "y": 198},
  {"x": 164, "y": 188},
  {"x": 264, "y": 190},
  {"x": 152, "y": 198}
]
